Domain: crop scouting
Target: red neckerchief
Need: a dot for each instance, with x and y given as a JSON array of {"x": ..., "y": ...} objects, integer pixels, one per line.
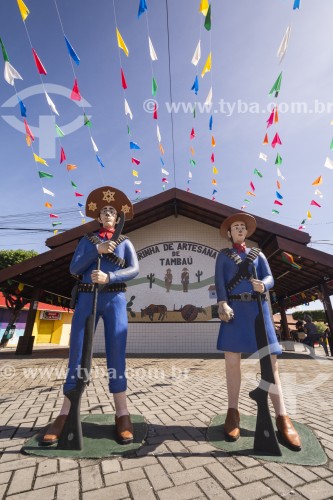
[
  {"x": 106, "y": 233},
  {"x": 240, "y": 247}
]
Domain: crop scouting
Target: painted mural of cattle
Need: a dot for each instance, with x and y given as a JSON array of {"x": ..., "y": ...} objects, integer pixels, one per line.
[{"x": 149, "y": 311}]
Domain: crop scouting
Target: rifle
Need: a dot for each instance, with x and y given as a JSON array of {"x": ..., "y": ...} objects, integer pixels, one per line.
[
  {"x": 265, "y": 438},
  {"x": 71, "y": 437}
]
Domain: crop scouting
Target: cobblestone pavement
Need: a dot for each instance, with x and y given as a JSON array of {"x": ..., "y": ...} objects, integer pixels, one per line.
[{"x": 178, "y": 397}]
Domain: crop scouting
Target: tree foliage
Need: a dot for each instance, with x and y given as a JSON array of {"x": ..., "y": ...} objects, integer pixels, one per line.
[
  {"x": 315, "y": 315},
  {"x": 11, "y": 257}
]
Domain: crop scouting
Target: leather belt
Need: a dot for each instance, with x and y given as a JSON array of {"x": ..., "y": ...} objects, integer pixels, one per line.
[
  {"x": 89, "y": 287},
  {"x": 246, "y": 297}
]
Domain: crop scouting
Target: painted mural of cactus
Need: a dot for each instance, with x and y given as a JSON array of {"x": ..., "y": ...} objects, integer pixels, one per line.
[
  {"x": 151, "y": 279},
  {"x": 129, "y": 306},
  {"x": 198, "y": 275}
]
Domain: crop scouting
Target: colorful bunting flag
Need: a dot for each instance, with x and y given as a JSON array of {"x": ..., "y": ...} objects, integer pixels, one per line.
[
  {"x": 158, "y": 133},
  {"x": 23, "y": 9},
  {"x": 152, "y": 52},
  {"x": 28, "y": 131},
  {"x": 331, "y": 146},
  {"x": 252, "y": 186},
  {"x": 215, "y": 170},
  {"x": 137, "y": 183},
  {"x": 135, "y": 173},
  {"x": 59, "y": 131},
  {"x": 314, "y": 203},
  {"x": 208, "y": 19},
  {"x": 128, "y": 110},
  {"x": 46, "y": 191},
  {"x": 121, "y": 43},
  {"x": 72, "y": 52},
  {"x": 318, "y": 181},
  {"x": 256, "y": 172},
  {"x": 208, "y": 65},
  {"x": 276, "y": 202},
  {"x": 136, "y": 161},
  {"x": 197, "y": 54},
  {"x": 51, "y": 103},
  {"x": 270, "y": 120},
  {"x": 250, "y": 193},
  {"x": 279, "y": 174},
  {"x": 44, "y": 174},
  {"x": 328, "y": 163},
  {"x": 211, "y": 122},
  {"x": 284, "y": 45},
  {"x": 193, "y": 162},
  {"x": 192, "y": 151},
  {"x": 48, "y": 205},
  {"x": 265, "y": 141},
  {"x": 308, "y": 214},
  {"x": 213, "y": 142},
  {"x": 278, "y": 160},
  {"x": 209, "y": 97},
  {"x": 297, "y": 4},
  {"x": 62, "y": 155},
  {"x": 38, "y": 62},
  {"x": 276, "y": 140},
  {"x": 38, "y": 159},
  {"x": 262, "y": 156},
  {"x": 275, "y": 211},
  {"x": 318, "y": 193},
  {"x": 154, "y": 87},
  {"x": 87, "y": 122},
  {"x": 10, "y": 73},
  {"x": 123, "y": 79},
  {"x": 78, "y": 194},
  {"x": 73, "y": 184},
  {"x": 23, "y": 109},
  {"x": 71, "y": 167},
  {"x": 142, "y": 7},
  {"x": 134, "y": 145},
  {"x": 195, "y": 85},
  {"x": 56, "y": 224},
  {"x": 100, "y": 161},
  {"x": 279, "y": 196},
  {"x": 212, "y": 158},
  {"x": 203, "y": 8},
  {"x": 192, "y": 134},
  {"x": 278, "y": 184},
  {"x": 54, "y": 216},
  {"x": 165, "y": 172},
  {"x": 161, "y": 149},
  {"x": 75, "y": 94},
  {"x": 155, "y": 111},
  {"x": 277, "y": 86}
]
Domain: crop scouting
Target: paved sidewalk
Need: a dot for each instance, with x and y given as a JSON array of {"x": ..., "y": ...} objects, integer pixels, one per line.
[{"x": 178, "y": 397}]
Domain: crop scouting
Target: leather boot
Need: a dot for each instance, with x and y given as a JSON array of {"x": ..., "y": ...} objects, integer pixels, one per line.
[
  {"x": 231, "y": 425},
  {"x": 124, "y": 429},
  {"x": 54, "y": 431},
  {"x": 288, "y": 432}
]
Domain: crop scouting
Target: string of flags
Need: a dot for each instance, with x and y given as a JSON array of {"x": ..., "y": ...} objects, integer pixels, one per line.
[
  {"x": 133, "y": 146},
  {"x": 154, "y": 88},
  {"x": 272, "y": 136}
]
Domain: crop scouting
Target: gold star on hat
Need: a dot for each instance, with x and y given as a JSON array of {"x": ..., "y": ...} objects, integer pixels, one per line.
[
  {"x": 108, "y": 195},
  {"x": 92, "y": 206}
]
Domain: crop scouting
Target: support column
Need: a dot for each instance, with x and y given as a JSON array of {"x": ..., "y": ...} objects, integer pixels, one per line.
[
  {"x": 288, "y": 342},
  {"x": 329, "y": 312},
  {"x": 26, "y": 342}
]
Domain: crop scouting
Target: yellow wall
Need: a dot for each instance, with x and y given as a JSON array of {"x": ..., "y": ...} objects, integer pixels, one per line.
[{"x": 61, "y": 330}]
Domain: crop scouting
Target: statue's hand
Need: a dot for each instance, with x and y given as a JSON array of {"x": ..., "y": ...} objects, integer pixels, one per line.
[
  {"x": 225, "y": 312},
  {"x": 99, "y": 277},
  {"x": 106, "y": 247},
  {"x": 258, "y": 285}
]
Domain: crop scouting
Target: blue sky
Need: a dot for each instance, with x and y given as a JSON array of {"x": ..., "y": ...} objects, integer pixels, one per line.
[{"x": 244, "y": 40}]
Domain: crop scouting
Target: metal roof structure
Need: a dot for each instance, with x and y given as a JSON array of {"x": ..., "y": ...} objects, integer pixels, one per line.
[{"x": 49, "y": 271}]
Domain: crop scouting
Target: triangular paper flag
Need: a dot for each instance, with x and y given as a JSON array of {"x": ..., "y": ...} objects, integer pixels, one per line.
[
  {"x": 192, "y": 134},
  {"x": 100, "y": 161},
  {"x": 10, "y": 73},
  {"x": 318, "y": 193},
  {"x": 73, "y": 184},
  {"x": 208, "y": 65},
  {"x": 284, "y": 45},
  {"x": 72, "y": 52},
  {"x": 209, "y": 97},
  {"x": 213, "y": 142},
  {"x": 59, "y": 131},
  {"x": 54, "y": 216},
  {"x": 40, "y": 160},
  {"x": 135, "y": 173},
  {"x": 39, "y": 65},
  {"x": 23, "y": 9},
  {"x": 152, "y": 52},
  {"x": 94, "y": 145},
  {"x": 279, "y": 196},
  {"x": 154, "y": 87},
  {"x": 277, "y": 86},
  {"x": 276, "y": 140},
  {"x": 62, "y": 155},
  {"x": 51, "y": 103},
  {"x": 215, "y": 171},
  {"x": 134, "y": 145},
  {"x": 318, "y": 181},
  {"x": 75, "y": 94},
  {"x": 197, "y": 55},
  {"x": 28, "y": 131},
  {"x": 123, "y": 79},
  {"x": 46, "y": 191},
  {"x": 265, "y": 139},
  {"x": 48, "y": 205},
  {"x": 328, "y": 163},
  {"x": 142, "y": 7},
  {"x": 158, "y": 133},
  {"x": 87, "y": 122},
  {"x": 23, "y": 109},
  {"x": 121, "y": 43},
  {"x": 128, "y": 110},
  {"x": 203, "y": 8},
  {"x": 195, "y": 86},
  {"x": 308, "y": 214},
  {"x": 278, "y": 160},
  {"x": 252, "y": 186},
  {"x": 313, "y": 202},
  {"x": 78, "y": 194},
  {"x": 71, "y": 167},
  {"x": 136, "y": 161},
  {"x": 208, "y": 19},
  {"x": 276, "y": 202},
  {"x": 262, "y": 156},
  {"x": 256, "y": 172},
  {"x": 44, "y": 174},
  {"x": 155, "y": 111}
]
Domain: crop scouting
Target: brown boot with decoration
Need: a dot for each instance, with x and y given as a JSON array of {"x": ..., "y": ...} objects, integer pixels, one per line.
[
  {"x": 124, "y": 429},
  {"x": 288, "y": 432},
  {"x": 232, "y": 425}
]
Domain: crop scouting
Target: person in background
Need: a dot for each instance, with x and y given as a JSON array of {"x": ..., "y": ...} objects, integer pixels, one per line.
[{"x": 312, "y": 335}]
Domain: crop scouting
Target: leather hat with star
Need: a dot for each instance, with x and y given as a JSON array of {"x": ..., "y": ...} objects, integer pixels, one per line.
[{"x": 108, "y": 195}]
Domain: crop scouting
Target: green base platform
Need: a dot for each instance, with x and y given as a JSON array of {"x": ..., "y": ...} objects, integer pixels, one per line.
[
  {"x": 310, "y": 454},
  {"x": 98, "y": 439}
]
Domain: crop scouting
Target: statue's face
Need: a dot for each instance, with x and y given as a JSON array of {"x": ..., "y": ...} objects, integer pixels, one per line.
[
  {"x": 108, "y": 216},
  {"x": 238, "y": 231}
]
